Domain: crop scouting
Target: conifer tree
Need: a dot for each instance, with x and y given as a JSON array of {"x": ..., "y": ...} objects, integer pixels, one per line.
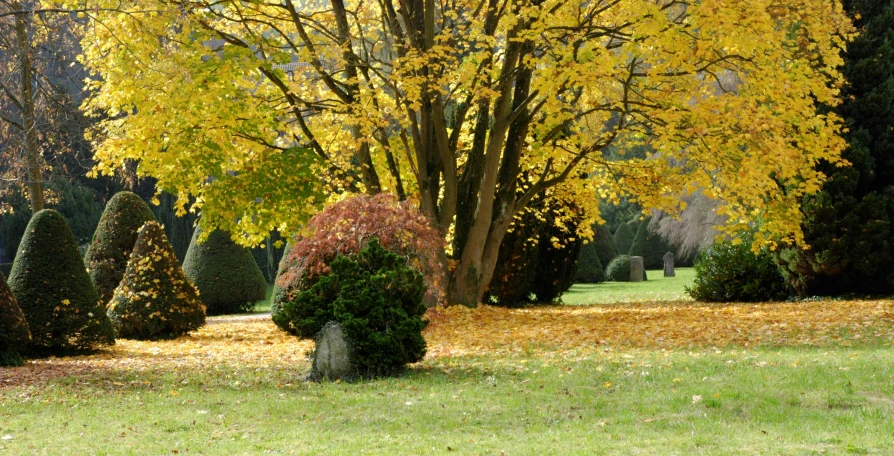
[
  {"x": 155, "y": 300},
  {"x": 14, "y": 333},
  {"x": 226, "y": 274}
]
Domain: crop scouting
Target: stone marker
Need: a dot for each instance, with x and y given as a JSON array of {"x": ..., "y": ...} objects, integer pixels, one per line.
[
  {"x": 636, "y": 269},
  {"x": 332, "y": 359},
  {"x": 668, "y": 264}
]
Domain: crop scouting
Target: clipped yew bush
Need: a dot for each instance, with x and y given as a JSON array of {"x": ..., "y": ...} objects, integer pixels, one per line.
[
  {"x": 650, "y": 246},
  {"x": 226, "y": 274},
  {"x": 730, "y": 271},
  {"x": 376, "y": 297},
  {"x": 589, "y": 268},
  {"x": 155, "y": 300},
  {"x": 14, "y": 333},
  {"x": 54, "y": 291},
  {"x": 113, "y": 241},
  {"x": 344, "y": 228},
  {"x": 618, "y": 270},
  {"x": 603, "y": 244},
  {"x": 623, "y": 238}
]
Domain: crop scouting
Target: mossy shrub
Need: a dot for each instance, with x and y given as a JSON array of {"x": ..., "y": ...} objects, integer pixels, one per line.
[
  {"x": 155, "y": 300},
  {"x": 113, "y": 241},
  {"x": 54, "y": 291},
  {"x": 14, "y": 333},
  {"x": 376, "y": 297},
  {"x": 731, "y": 272},
  {"x": 228, "y": 279}
]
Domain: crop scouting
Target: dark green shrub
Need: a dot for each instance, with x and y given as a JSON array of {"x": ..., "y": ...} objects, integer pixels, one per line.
[
  {"x": 623, "y": 238},
  {"x": 155, "y": 300},
  {"x": 650, "y": 246},
  {"x": 113, "y": 241},
  {"x": 277, "y": 297},
  {"x": 178, "y": 229},
  {"x": 729, "y": 272},
  {"x": 618, "y": 270},
  {"x": 228, "y": 279},
  {"x": 376, "y": 298},
  {"x": 602, "y": 242},
  {"x": 14, "y": 334},
  {"x": 589, "y": 268},
  {"x": 54, "y": 290}
]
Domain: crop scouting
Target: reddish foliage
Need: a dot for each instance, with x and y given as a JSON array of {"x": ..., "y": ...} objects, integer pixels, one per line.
[{"x": 346, "y": 226}]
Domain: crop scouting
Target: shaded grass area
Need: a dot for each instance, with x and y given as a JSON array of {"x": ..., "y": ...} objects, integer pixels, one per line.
[
  {"x": 787, "y": 400},
  {"x": 657, "y": 288},
  {"x": 264, "y": 306}
]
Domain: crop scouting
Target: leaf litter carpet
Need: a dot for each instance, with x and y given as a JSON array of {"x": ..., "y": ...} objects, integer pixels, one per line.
[{"x": 541, "y": 331}]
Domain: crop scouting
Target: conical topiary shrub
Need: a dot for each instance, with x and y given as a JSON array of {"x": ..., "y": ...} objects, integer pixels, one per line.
[
  {"x": 14, "y": 334},
  {"x": 278, "y": 296},
  {"x": 228, "y": 279},
  {"x": 155, "y": 300},
  {"x": 113, "y": 241},
  {"x": 650, "y": 246},
  {"x": 589, "y": 268},
  {"x": 54, "y": 290},
  {"x": 623, "y": 238},
  {"x": 603, "y": 244}
]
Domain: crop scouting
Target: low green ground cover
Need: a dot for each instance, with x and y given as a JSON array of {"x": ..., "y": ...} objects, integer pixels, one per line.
[
  {"x": 829, "y": 400},
  {"x": 657, "y": 288}
]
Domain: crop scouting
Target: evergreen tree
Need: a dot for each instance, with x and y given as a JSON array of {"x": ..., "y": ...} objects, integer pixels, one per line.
[
  {"x": 603, "y": 244},
  {"x": 589, "y": 267},
  {"x": 650, "y": 246},
  {"x": 155, "y": 300},
  {"x": 228, "y": 279},
  {"x": 848, "y": 225},
  {"x": 54, "y": 291},
  {"x": 14, "y": 333},
  {"x": 623, "y": 238},
  {"x": 113, "y": 241}
]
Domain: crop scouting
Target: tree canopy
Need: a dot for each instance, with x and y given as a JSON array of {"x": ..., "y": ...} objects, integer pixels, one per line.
[{"x": 472, "y": 108}]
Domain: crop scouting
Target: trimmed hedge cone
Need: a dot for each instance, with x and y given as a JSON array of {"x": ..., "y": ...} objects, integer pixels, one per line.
[
  {"x": 113, "y": 241},
  {"x": 226, "y": 274},
  {"x": 14, "y": 333},
  {"x": 54, "y": 291},
  {"x": 155, "y": 300}
]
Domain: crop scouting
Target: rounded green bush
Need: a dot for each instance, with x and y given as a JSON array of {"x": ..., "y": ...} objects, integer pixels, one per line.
[
  {"x": 14, "y": 333},
  {"x": 731, "y": 272},
  {"x": 376, "y": 297},
  {"x": 113, "y": 241},
  {"x": 618, "y": 270},
  {"x": 228, "y": 279},
  {"x": 54, "y": 291},
  {"x": 155, "y": 300}
]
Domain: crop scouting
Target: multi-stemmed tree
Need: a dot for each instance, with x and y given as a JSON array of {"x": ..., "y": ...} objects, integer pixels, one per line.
[{"x": 472, "y": 108}]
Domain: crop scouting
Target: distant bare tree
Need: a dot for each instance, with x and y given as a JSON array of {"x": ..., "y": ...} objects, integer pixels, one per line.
[{"x": 694, "y": 230}]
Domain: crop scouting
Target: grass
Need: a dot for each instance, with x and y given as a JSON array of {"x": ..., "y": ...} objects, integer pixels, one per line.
[
  {"x": 657, "y": 288},
  {"x": 756, "y": 401},
  {"x": 264, "y": 306}
]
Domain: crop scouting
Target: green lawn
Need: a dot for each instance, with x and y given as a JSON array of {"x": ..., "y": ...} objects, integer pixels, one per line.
[
  {"x": 791, "y": 401},
  {"x": 657, "y": 288},
  {"x": 264, "y": 306}
]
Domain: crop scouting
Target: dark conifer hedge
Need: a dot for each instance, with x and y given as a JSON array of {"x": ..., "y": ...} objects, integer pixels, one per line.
[
  {"x": 623, "y": 238},
  {"x": 113, "y": 241},
  {"x": 54, "y": 291},
  {"x": 14, "y": 333},
  {"x": 228, "y": 279}
]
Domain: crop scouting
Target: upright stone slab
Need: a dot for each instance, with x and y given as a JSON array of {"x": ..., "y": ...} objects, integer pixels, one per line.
[
  {"x": 669, "y": 264},
  {"x": 332, "y": 359},
  {"x": 636, "y": 269}
]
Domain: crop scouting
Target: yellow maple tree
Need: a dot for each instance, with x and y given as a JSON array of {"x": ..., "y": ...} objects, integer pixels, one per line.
[{"x": 260, "y": 110}]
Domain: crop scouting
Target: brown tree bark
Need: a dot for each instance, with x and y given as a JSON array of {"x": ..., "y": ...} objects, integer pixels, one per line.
[{"x": 32, "y": 150}]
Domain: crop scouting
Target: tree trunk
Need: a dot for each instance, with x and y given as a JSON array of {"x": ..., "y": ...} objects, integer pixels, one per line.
[{"x": 32, "y": 152}]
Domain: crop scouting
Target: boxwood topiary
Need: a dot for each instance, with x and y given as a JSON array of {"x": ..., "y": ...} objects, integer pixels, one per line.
[
  {"x": 732, "y": 272},
  {"x": 376, "y": 297},
  {"x": 228, "y": 279},
  {"x": 623, "y": 238},
  {"x": 618, "y": 270},
  {"x": 650, "y": 246},
  {"x": 155, "y": 300},
  {"x": 113, "y": 241},
  {"x": 603, "y": 244},
  {"x": 54, "y": 290},
  {"x": 14, "y": 333}
]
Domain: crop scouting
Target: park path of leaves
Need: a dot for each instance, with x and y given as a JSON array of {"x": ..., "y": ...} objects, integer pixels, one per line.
[{"x": 458, "y": 331}]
